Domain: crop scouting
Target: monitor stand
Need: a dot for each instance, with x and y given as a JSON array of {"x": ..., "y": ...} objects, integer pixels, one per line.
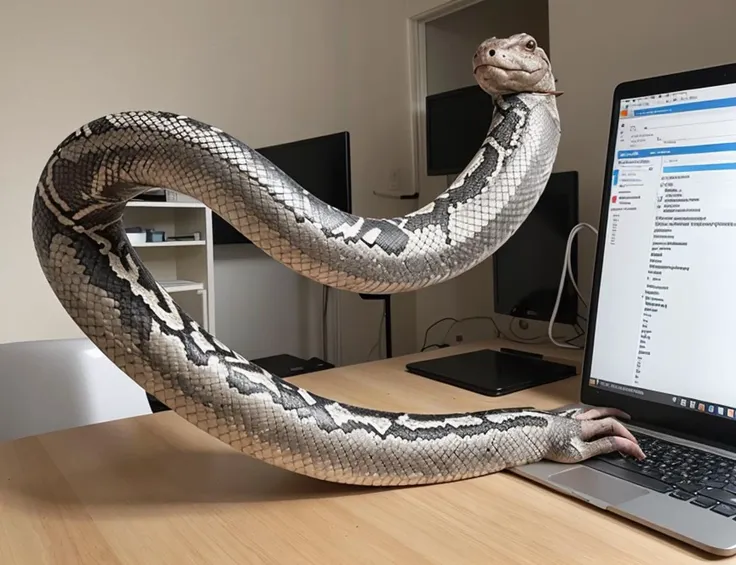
[
  {"x": 493, "y": 373},
  {"x": 387, "y": 307}
]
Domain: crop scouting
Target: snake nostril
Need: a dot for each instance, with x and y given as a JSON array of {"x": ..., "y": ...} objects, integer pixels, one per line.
[{"x": 492, "y": 52}]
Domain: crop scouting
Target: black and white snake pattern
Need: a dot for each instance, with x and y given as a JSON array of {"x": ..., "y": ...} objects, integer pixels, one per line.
[{"x": 105, "y": 288}]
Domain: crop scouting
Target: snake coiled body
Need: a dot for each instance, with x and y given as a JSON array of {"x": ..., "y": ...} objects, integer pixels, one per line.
[{"x": 100, "y": 281}]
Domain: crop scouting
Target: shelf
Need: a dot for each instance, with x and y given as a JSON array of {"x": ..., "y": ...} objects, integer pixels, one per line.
[
  {"x": 181, "y": 286},
  {"x": 170, "y": 243},
  {"x": 154, "y": 204},
  {"x": 183, "y": 267}
]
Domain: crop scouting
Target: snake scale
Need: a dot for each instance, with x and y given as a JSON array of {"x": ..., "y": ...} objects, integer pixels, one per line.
[{"x": 108, "y": 292}]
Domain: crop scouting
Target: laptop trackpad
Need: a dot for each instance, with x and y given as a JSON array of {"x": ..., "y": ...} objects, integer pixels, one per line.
[{"x": 596, "y": 487}]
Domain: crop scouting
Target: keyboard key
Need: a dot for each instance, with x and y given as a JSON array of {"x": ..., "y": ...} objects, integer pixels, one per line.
[
  {"x": 652, "y": 473},
  {"x": 625, "y": 463},
  {"x": 673, "y": 479},
  {"x": 689, "y": 487},
  {"x": 682, "y": 495},
  {"x": 724, "y": 510},
  {"x": 719, "y": 495},
  {"x": 714, "y": 484},
  {"x": 703, "y": 502}
]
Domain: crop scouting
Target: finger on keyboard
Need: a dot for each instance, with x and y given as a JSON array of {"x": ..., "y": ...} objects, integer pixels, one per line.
[
  {"x": 607, "y": 427},
  {"x": 593, "y": 413},
  {"x": 613, "y": 443}
]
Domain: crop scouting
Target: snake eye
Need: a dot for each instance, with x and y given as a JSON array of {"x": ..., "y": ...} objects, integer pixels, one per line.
[{"x": 531, "y": 45}]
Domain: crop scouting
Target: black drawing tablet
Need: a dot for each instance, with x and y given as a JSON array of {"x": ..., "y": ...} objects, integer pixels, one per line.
[{"x": 492, "y": 373}]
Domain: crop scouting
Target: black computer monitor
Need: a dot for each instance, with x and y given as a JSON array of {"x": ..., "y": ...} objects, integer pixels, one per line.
[
  {"x": 457, "y": 122},
  {"x": 527, "y": 268},
  {"x": 320, "y": 165}
]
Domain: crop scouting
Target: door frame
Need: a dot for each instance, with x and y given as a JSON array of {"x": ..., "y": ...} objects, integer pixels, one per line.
[{"x": 418, "y": 80}]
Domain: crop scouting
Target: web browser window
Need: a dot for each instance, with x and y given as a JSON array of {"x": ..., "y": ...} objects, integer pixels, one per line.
[{"x": 667, "y": 298}]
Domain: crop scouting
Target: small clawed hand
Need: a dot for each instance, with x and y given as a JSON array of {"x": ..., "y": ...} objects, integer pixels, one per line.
[{"x": 581, "y": 434}]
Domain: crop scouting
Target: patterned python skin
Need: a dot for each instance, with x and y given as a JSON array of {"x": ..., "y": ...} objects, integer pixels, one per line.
[{"x": 100, "y": 281}]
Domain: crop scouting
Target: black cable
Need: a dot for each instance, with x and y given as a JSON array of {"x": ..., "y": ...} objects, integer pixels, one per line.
[
  {"x": 426, "y": 333},
  {"x": 517, "y": 338},
  {"x": 325, "y": 301},
  {"x": 572, "y": 339},
  {"x": 499, "y": 333}
]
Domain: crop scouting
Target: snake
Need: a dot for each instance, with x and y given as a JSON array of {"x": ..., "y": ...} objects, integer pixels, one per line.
[{"x": 104, "y": 286}]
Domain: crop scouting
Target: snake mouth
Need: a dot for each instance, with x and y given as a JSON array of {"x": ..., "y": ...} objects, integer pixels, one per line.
[
  {"x": 476, "y": 68},
  {"x": 508, "y": 79}
]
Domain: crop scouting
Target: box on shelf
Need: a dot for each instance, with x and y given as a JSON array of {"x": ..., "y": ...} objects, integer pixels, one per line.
[{"x": 173, "y": 196}]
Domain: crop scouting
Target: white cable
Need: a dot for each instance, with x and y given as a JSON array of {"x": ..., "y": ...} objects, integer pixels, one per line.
[{"x": 567, "y": 269}]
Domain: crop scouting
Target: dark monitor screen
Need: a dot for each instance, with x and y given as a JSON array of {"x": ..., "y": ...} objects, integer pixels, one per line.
[
  {"x": 320, "y": 165},
  {"x": 457, "y": 123},
  {"x": 527, "y": 268}
]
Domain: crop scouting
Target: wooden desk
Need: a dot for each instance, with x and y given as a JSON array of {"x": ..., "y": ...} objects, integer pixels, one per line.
[{"x": 154, "y": 489}]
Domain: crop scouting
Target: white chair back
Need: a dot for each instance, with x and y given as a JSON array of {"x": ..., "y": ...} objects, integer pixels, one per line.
[{"x": 57, "y": 384}]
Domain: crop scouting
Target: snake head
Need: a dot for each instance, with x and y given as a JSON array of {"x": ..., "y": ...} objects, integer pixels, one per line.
[{"x": 513, "y": 64}]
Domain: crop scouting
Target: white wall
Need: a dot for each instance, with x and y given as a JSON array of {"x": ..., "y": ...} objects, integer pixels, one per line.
[
  {"x": 267, "y": 72},
  {"x": 257, "y": 321}
]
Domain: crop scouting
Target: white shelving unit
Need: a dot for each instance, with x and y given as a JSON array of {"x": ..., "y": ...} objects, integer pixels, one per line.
[
  {"x": 170, "y": 244},
  {"x": 184, "y": 268}
]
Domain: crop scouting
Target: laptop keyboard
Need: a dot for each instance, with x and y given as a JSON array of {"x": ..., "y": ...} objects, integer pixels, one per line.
[{"x": 687, "y": 474}]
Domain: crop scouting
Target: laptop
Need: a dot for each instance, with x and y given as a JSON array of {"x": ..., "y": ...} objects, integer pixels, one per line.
[{"x": 662, "y": 321}]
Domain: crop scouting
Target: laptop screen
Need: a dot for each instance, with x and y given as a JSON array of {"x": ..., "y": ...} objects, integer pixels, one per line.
[{"x": 667, "y": 295}]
